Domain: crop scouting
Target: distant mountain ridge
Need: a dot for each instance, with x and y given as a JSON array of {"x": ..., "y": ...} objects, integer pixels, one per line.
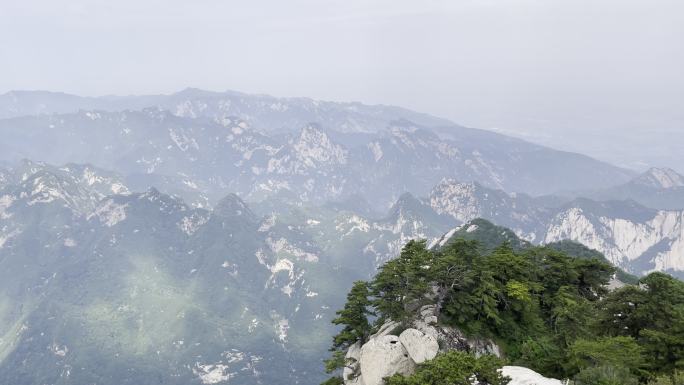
[
  {"x": 206, "y": 237},
  {"x": 270, "y": 113},
  {"x": 632, "y": 236},
  {"x": 201, "y": 154},
  {"x": 102, "y": 283},
  {"x": 99, "y": 279},
  {"x": 660, "y": 178},
  {"x": 203, "y": 159},
  {"x": 139, "y": 287},
  {"x": 658, "y": 188}
]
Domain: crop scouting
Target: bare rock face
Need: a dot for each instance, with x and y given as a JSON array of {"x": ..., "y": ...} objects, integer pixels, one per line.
[
  {"x": 386, "y": 354},
  {"x": 452, "y": 338},
  {"x": 383, "y": 357},
  {"x": 525, "y": 376},
  {"x": 421, "y": 347},
  {"x": 352, "y": 369},
  {"x": 385, "y": 329}
]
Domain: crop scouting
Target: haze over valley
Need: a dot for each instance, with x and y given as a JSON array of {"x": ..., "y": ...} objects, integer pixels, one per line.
[
  {"x": 127, "y": 208},
  {"x": 444, "y": 193}
]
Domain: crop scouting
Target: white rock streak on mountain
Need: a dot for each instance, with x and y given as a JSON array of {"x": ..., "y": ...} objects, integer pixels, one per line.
[{"x": 622, "y": 241}]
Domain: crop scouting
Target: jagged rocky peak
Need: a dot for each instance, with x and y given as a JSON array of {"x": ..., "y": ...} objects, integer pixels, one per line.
[
  {"x": 409, "y": 209},
  {"x": 314, "y": 145},
  {"x": 97, "y": 181},
  {"x": 36, "y": 183},
  {"x": 485, "y": 232},
  {"x": 26, "y": 168},
  {"x": 44, "y": 186},
  {"x": 166, "y": 203},
  {"x": 664, "y": 178},
  {"x": 405, "y": 133},
  {"x": 232, "y": 206},
  {"x": 313, "y": 133},
  {"x": 407, "y": 203},
  {"x": 460, "y": 200},
  {"x": 151, "y": 194},
  {"x": 150, "y": 206},
  {"x": 76, "y": 187},
  {"x": 236, "y": 125},
  {"x": 452, "y": 187},
  {"x": 103, "y": 182},
  {"x": 395, "y": 349}
]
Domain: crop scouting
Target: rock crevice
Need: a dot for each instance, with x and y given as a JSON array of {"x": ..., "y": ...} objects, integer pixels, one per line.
[{"x": 386, "y": 354}]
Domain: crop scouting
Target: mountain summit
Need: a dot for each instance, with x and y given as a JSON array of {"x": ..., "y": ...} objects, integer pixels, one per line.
[{"x": 665, "y": 178}]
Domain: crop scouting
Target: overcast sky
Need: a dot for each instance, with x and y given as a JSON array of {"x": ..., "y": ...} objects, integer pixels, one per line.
[{"x": 600, "y": 77}]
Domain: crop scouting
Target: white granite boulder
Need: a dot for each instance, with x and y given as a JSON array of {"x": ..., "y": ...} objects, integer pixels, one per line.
[
  {"x": 352, "y": 367},
  {"x": 385, "y": 329},
  {"x": 525, "y": 376},
  {"x": 383, "y": 357},
  {"x": 420, "y": 346},
  {"x": 452, "y": 338}
]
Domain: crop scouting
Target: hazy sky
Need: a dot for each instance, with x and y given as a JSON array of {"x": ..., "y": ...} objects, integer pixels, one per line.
[{"x": 601, "y": 77}]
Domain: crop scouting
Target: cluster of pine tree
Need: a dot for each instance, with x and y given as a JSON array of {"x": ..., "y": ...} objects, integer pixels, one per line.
[{"x": 547, "y": 310}]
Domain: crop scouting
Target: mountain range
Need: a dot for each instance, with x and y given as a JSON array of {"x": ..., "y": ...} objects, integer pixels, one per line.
[
  {"x": 658, "y": 188},
  {"x": 376, "y": 152},
  {"x": 208, "y": 237},
  {"x": 632, "y": 236}
]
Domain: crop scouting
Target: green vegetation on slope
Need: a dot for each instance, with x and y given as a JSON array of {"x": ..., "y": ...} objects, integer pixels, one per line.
[
  {"x": 578, "y": 250},
  {"x": 489, "y": 236},
  {"x": 454, "y": 368},
  {"x": 549, "y": 311}
]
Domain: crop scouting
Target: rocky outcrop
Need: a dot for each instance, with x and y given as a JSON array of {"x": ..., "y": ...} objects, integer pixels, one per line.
[
  {"x": 386, "y": 354},
  {"x": 383, "y": 357},
  {"x": 452, "y": 338},
  {"x": 352, "y": 370},
  {"x": 525, "y": 376},
  {"x": 420, "y": 347}
]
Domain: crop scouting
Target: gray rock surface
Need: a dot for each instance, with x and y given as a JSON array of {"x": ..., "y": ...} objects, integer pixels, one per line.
[
  {"x": 387, "y": 328},
  {"x": 525, "y": 376},
  {"x": 421, "y": 347},
  {"x": 385, "y": 354},
  {"x": 383, "y": 357},
  {"x": 352, "y": 369},
  {"x": 452, "y": 338}
]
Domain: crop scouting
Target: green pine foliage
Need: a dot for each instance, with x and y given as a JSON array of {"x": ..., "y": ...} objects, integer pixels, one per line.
[
  {"x": 676, "y": 378},
  {"x": 652, "y": 314},
  {"x": 454, "y": 368},
  {"x": 605, "y": 375},
  {"x": 355, "y": 325},
  {"x": 607, "y": 352},
  {"x": 403, "y": 281},
  {"x": 333, "y": 381},
  {"x": 549, "y": 311},
  {"x": 578, "y": 250},
  {"x": 354, "y": 317}
]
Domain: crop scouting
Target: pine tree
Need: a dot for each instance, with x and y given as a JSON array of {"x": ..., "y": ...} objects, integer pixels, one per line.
[
  {"x": 403, "y": 281},
  {"x": 354, "y": 317},
  {"x": 451, "y": 267},
  {"x": 455, "y": 368},
  {"x": 594, "y": 276}
]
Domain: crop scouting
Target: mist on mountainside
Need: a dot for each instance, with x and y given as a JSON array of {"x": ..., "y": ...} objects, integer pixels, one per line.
[{"x": 341, "y": 193}]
